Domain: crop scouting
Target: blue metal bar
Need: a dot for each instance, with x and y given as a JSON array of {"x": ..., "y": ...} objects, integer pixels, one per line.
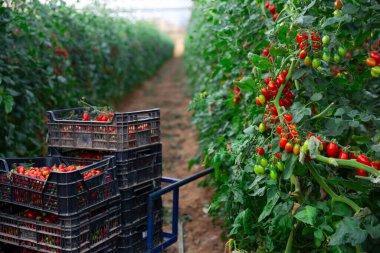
[
  {"x": 180, "y": 183},
  {"x": 169, "y": 180},
  {"x": 169, "y": 238}
]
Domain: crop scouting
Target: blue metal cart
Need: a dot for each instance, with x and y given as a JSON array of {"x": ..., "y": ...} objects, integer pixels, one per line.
[{"x": 174, "y": 185}]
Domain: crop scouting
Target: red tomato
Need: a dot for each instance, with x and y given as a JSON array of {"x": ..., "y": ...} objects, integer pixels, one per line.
[
  {"x": 363, "y": 159},
  {"x": 289, "y": 147},
  {"x": 265, "y": 52},
  {"x": 267, "y": 4},
  {"x": 303, "y": 54},
  {"x": 272, "y": 86},
  {"x": 303, "y": 45},
  {"x": 86, "y": 116},
  {"x": 375, "y": 55},
  {"x": 370, "y": 62},
  {"x": 361, "y": 173},
  {"x": 275, "y": 16},
  {"x": 281, "y": 79},
  {"x": 283, "y": 142},
  {"x": 278, "y": 155},
  {"x": 278, "y": 129},
  {"x": 267, "y": 80},
  {"x": 332, "y": 150},
  {"x": 272, "y": 9},
  {"x": 300, "y": 38},
  {"x": 273, "y": 110},
  {"x": 288, "y": 117},
  {"x": 260, "y": 151},
  {"x": 265, "y": 92},
  {"x": 343, "y": 155},
  {"x": 375, "y": 165}
]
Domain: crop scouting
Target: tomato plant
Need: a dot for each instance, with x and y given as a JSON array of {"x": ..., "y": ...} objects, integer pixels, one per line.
[
  {"x": 52, "y": 55},
  {"x": 318, "y": 191}
]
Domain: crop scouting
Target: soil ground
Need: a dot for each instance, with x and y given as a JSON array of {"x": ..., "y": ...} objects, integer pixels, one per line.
[{"x": 167, "y": 91}]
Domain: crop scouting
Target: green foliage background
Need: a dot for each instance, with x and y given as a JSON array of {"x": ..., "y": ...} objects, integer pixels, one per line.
[{"x": 106, "y": 57}]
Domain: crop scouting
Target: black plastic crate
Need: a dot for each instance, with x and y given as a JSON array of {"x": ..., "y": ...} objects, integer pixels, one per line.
[
  {"x": 134, "y": 202},
  {"x": 133, "y": 166},
  {"x": 85, "y": 232},
  {"x": 134, "y": 239},
  {"x": 108, "y": 246},
  {"x": 65, "y": 193},
  {"x": 126, "y": 130}
]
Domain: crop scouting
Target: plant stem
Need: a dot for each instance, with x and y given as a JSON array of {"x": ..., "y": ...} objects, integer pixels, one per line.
[
  {"x": 323, "y": 112},
  {"x": 277, "y": 99},
  {"x": 289, "y": 244},
  {"x": 358, "y": 249},
  {"x": 297, "y": 188},
  {"x": 328, "y": 190},
  {"x": 350, "y": 164}
]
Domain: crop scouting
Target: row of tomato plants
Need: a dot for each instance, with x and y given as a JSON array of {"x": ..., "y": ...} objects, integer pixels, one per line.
[
  {"x": 52, "y": 55},
  {"x": 287, "y": 107}
]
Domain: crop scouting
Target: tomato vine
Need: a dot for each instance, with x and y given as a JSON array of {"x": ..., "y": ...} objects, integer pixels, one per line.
[{"x": 290, "y": 121}]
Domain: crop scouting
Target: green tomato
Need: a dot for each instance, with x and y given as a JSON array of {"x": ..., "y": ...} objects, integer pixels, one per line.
[
  {"x": 262, "y": 99},
  {"x": 342, "y": 51},
  {"x": 336, "y": 58},
  {"x": 325, "y": 39},
  {"x": 262, "y": 128},
  {"x": 307, "y": 61},
  {"x": 338, "y": 13},
  {"x": 258, "y": 169},
  {"x": 374, "y": 73},
  {"x": 280, "y": 166},
  {"x": 264, "y": 162},
  {"x": 376, "y": 69},
  {"x": 273, "y": 174},
  {"x": 326, "y": 57},
  {"x": 304, "y": 149},
  {"x": 316, "y": 63}
]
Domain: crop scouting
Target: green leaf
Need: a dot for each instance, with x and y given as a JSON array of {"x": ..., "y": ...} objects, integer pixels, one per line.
[
  {"x": 299, "y": 73},
  {"x": 349, "y": 8},
  {"x": 308, "y": 215},
  {"x": 305, "y": 20},
  {"x": 8, "y": 103},
  {"x": 341, "y": 209},
  {"x": 245, "y": 84},
  {"x": 316, "y": 97},
  {"x": 247, "y": 217},
  {"x": 360, "y": 139},
  {"x": 272, "y": 199},
  {"x": 376, "y": 147},
  {"x": 339, "y": 112},
  {"x": 353, "y": 123},
  {"x": 373, "y": 231},
  {"x": 289, "y": 166},
  {"x": 348, "y": 231},
  {"x": 259, "y": 61},
  {"x": 318, "y": 237},
  {"x": 278, "y": 51}
]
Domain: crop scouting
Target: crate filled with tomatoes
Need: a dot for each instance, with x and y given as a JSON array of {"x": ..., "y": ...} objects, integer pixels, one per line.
[
  {"x": 88, "y": 231},
  {"x": 133, "y": 167},
  {"x": 99, "y": 128},
  {"x": 57, "y": 185}
]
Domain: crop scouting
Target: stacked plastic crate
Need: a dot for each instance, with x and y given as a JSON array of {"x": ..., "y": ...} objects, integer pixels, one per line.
[
  {"x": 133, "y": 138},
  {"x": 53, "y": 204}
]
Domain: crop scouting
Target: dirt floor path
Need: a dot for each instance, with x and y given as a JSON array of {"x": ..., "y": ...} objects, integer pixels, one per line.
[{"x": 167, "y": 92}]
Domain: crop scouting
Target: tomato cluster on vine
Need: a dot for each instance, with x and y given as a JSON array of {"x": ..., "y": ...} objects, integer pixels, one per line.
[
  {"x": 272, "y": 9},
  {"x": 374, "y": 62}
]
